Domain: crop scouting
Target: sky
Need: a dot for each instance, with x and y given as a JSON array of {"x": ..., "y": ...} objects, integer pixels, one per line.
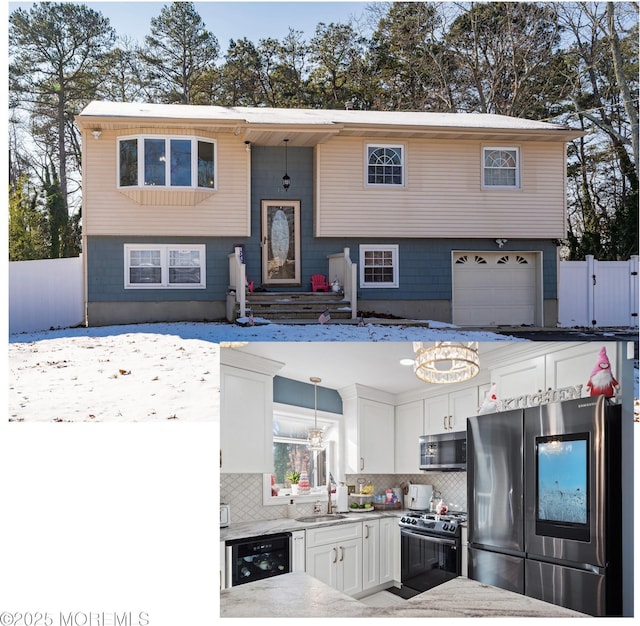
[{"x": 230, "y": 20}]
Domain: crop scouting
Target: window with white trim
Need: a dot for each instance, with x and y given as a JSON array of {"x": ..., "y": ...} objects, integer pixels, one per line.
[
  {"x": 164, "y": 266},
  {"x": 379, "y": 266},
  {"x": 501, "y": 168},
  {"x": 291, "y": 452},
  {"x": 385, "y": 165},
  {"x": 187, "y": 162}
]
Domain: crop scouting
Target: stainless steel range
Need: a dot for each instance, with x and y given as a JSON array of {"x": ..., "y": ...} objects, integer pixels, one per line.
[{"x": 431, "y": 550}]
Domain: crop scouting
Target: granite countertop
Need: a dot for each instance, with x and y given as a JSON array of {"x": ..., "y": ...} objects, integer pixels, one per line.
[
  {"x": 241, "y": 530},
  {"x": 300, "y": 595}
]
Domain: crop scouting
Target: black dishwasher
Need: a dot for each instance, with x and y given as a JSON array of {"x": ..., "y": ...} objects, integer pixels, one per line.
[{"x": 256, "y": 558}]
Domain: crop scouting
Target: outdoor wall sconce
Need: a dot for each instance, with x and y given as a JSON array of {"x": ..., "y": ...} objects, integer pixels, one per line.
[
  {"x": 96, "y": 134},
  {"x": 286, "y": 179}
]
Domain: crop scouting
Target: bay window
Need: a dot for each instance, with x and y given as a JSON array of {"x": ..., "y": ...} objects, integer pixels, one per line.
[{"x": 187, "y": 162}]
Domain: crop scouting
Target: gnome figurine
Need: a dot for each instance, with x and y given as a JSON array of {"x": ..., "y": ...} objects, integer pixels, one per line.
[
  {"x": 601, "y": 382},
  {"x": 491, "y": 404}
]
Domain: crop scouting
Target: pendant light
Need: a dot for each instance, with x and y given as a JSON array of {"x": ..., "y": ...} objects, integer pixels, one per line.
[
  {"x": 315, "y": 434},
  {"x": 286, "y": 180}
]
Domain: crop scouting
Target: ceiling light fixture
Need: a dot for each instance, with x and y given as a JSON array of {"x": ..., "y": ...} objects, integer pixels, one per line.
[
  {"x": 446, "y": 361},
  {"x": 286, "y": 179},
  {"x": 315, "y": 433}
]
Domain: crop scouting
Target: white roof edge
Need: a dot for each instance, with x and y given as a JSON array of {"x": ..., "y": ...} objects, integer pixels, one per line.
[{"x": 266, "y": 116}]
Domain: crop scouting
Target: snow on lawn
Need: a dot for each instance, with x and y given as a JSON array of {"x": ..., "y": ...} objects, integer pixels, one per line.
[{"x": 148, "y": 372}]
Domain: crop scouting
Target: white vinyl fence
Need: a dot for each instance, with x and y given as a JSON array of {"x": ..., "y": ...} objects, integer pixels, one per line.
[
  {"x": 45, "y": 294},
  {"x": 598, "y": 293}
]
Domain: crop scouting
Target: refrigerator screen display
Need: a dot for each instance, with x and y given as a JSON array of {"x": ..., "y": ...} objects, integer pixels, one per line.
[{"x": 562, "y": 486}]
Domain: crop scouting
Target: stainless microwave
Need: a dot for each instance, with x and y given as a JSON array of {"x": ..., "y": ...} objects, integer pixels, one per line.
[{"x": 446, "y": 452}]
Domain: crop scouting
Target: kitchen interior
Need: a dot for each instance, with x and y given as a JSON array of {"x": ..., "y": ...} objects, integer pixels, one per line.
[{"x": 388, "y": 479}]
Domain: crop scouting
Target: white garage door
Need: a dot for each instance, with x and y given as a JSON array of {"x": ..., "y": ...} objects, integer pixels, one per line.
[{"x": 494, "y": 288}]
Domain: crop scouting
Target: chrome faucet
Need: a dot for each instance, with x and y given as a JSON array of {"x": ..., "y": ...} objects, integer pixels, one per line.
[{"x": 329, "y": 504}]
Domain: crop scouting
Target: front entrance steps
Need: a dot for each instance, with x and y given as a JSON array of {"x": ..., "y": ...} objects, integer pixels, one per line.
[{"x": 297, "y": 306}]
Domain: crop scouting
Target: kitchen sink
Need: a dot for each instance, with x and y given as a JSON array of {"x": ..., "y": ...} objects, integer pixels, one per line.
[{"x": 320, "y": 518}]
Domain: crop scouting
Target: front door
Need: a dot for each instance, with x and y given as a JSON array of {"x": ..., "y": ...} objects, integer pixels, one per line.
[{"x": 280, "y": 242}]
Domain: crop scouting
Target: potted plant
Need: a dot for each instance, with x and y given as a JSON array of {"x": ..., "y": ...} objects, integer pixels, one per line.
[{"x": 294, "y": 478}]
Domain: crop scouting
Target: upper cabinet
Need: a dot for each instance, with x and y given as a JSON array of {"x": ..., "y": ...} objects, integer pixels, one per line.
[
  {"x": 449, "y": 412},
  {"x": 369, "y": 431},
  {"x": 409, "y": 426},
  {"x": 246, "y": 410},
  {"x": 556, "y": 369}
]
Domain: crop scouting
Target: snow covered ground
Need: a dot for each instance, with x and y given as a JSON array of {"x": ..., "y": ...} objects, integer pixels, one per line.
[{"x": 157, "y": 372}]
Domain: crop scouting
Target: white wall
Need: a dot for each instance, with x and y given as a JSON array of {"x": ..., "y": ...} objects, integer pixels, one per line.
[{"x": 45, "y": 294}]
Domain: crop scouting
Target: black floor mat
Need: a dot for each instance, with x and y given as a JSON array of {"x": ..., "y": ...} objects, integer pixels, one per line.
[{"x": 405, "y": 593}]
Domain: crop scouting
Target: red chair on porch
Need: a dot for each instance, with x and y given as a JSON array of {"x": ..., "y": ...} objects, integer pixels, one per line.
[{"x": 319, "y": 283}]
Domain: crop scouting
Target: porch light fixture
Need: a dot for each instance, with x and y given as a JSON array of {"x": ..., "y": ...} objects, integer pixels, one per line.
[
  {"x": 315, "y": 433},
  {"x": 286, "y": 180},
  {"x": 446, "y": 361}
]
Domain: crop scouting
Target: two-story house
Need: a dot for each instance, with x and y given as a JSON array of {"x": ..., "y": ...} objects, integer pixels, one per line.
[{"x": 449, "y": 217}]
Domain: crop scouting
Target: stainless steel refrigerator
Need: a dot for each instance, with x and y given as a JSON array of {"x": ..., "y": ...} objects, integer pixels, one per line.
[{"x": 543, "y": 498}]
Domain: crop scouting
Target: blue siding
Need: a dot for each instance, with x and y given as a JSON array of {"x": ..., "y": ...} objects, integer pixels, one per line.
[
  {"x": 295, "y": 393},
  {"x": 105, "y": 267}
]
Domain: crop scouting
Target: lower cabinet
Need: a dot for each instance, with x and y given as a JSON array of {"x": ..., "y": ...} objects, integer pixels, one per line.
[
  {"x": 464, "y": 542},
  {"x": 298, "y": 552},
  {"x": 223, "y": 567},
  {"x": 339, "y": 564},
  {"x": 357, "y": 557},
  {"x": 370, "y": 554},
  {"x": 389, "y": 550}
]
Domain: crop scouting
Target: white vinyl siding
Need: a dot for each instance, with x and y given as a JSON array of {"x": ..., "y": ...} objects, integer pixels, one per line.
[
  {"x": 378, "y": 266},
  {"x": 443, "y": 196},
  {"x": 165, "y": 211},
  {"x": 164, "y": 266}
]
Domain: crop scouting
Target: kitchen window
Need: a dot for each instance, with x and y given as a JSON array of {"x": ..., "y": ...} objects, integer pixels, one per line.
[
  {"x": 291, "y": 452},
  {"x": 501, "y": 168},
  {"x": 385, "y": 165},
  {"x": 164, "y": 266},
  {"x": 187, "y": 162},
  {"x": 379, "y": 266}
]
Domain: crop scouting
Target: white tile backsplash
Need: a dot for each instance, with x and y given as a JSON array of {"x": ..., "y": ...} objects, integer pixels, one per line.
[{"x": 243, "y": 492}]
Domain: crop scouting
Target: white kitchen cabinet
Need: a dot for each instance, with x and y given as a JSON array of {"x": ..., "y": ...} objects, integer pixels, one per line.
[
  {"x": 370, "y": 554},
  {"x": 449, "y": 412},
  {"x": 334, "y": 556},
  {"x": 409, "y": 426},
  {"x": 369, "y": 430},
  {"x": 223, "y": 567},
  {"x": 464, "y": 540},
  {"x": 520, "y": 378},
  {"x": 389, "y": 550},
  {"x": 246, "y": 413},
  {"x": 298, "y": 551},
  {"x": 572, "y": 366}
]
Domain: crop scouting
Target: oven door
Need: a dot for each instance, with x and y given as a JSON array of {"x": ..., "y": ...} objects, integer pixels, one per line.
[{"x": 427, "y": 560}]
